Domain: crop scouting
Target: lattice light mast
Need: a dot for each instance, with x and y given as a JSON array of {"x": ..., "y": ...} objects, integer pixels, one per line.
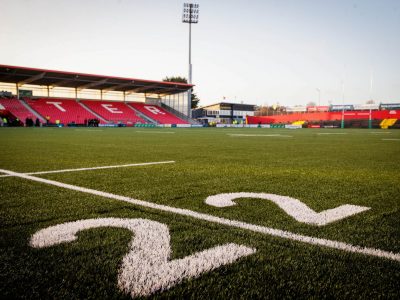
[{"x": 191, "y": 16}]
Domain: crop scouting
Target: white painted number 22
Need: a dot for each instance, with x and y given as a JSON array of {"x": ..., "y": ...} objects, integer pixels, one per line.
[{"x": 146, "y": 268}]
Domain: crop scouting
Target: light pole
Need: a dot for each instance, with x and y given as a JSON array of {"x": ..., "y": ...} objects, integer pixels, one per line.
[
  {"x": 319, "y": 96},
  {"x": 342, "y": 123},
  {"x": 191, "y": 16}
]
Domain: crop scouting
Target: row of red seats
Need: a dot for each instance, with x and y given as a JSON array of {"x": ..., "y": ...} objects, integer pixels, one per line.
[
  {"x": 16, "y": 108},
  {"x": 67, "y": 111},
  {"x": 116, "y": 112},
  {"x": 61, "y": 110}
]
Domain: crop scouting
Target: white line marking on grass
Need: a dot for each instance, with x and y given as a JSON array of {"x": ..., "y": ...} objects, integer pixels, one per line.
[
  {"x": 223, "y": 221},
  {"x": 390, "y": 139},
  {"x": 380, "y": 132},
  {"x": 91, "y": 130},
  {"x": 293, "y": 207},
  {"x": 96, "y": 168},
  {"x": 142, "y": 131},
  {"x": 266, "y": 135},
  {"x": 327, "y": 133},
  {"x": 147, "y": 267}
]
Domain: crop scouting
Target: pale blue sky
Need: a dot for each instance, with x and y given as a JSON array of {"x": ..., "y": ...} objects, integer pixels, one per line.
[{"x": 253, "y": 51}]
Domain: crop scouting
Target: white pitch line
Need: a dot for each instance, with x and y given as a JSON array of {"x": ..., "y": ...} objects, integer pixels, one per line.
[
  {"x": 327, "y": 133},
  {"x": 266, "y": 135},
  {"x": 390, "y": 139},
  {"x": 223, "y": 221},
  {"x": 382, "y": 132},
  {"x": 141, "y": 131},
  {"x": 91, "y": 130},
  {"x": 96, "y": 168}
]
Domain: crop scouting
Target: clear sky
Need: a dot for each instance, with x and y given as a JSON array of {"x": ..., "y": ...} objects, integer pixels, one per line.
[{"x": 258, "y": 52}]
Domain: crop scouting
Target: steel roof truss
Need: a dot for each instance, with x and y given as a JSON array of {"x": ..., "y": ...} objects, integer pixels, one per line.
[
  {"x": 92, "y": 84},
  {"x": 32, "y": 79}
]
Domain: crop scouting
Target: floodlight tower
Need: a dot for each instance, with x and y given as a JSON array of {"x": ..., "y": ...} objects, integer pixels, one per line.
[{"x": 191, "y": 16}]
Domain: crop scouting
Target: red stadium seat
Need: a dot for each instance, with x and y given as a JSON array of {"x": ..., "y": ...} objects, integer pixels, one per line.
[
  {"x": 63, "y": 110},
  {"x": 15, "y": 107},
  {"x": 116, "y": 112}
]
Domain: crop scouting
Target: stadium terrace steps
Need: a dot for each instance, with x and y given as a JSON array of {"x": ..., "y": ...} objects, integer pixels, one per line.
[
  {"x": 386, "y": 123},
  {"x": 157, "y": 113},
  {"x": 63, "y": 110},
  {"x": 143, "y": 116},
  {"x": 34, "y": 112},
  {"x": 93, "y": 112},
  {"x": 18, "y": 109}
]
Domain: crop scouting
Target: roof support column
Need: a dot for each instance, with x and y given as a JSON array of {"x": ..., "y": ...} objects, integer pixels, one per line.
[
  {"x": 76, "y": 94},
  {"x": 124, "y": 96},
  {"x": 179, "y": 102},
  {"x": 48, "y": 92},
  {"x": 17, "y": 87},
  {"x": 101, "y": 94}
]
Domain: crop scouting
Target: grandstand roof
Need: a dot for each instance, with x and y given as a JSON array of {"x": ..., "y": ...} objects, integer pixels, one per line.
[{"x": 24, "y": 75}]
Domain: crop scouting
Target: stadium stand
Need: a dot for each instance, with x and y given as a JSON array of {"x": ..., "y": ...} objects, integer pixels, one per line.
[
  {"x": 325, "y": 116},
  {"x": 16, "y": 108},
  {"x": 157, "y": 113},
  {"x": 115, "y": 112},
  {"x": 61, "y": 110}
]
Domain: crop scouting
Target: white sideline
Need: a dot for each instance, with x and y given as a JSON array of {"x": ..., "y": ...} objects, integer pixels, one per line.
[
  {"x": 233, "y": 223},
  {"x": 390, "y": 139},
  {"x": 96, "y": 168}
]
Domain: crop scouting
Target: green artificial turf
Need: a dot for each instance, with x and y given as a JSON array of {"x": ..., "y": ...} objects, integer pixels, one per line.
[{"x": 360, "y": 167}]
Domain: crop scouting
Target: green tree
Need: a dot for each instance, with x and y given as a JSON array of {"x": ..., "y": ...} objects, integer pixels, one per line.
[{"x": 195, "y": 99}]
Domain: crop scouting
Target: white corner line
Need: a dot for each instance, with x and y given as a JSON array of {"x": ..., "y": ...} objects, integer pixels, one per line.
[
  {"x": 223, "y": 221},
  {"x": 390, "y": 139},
  {"x": 95, "y": 168}
]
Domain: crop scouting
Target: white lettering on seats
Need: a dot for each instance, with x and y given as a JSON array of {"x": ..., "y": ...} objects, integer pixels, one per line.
[
  {"x": 146, "y": 268},
  {"x": 112, "y": 109},
  {"x": 57, "y": 104},
  {"x": 293, "y": 207},
  {"x": 154, "y": 110},
  {"x": 2, "y": 107}
]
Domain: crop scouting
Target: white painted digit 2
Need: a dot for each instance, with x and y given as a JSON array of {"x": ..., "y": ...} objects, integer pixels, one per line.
[
  {"x": 146, "y": 268},
  {"x": 293, "y": 207}
]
